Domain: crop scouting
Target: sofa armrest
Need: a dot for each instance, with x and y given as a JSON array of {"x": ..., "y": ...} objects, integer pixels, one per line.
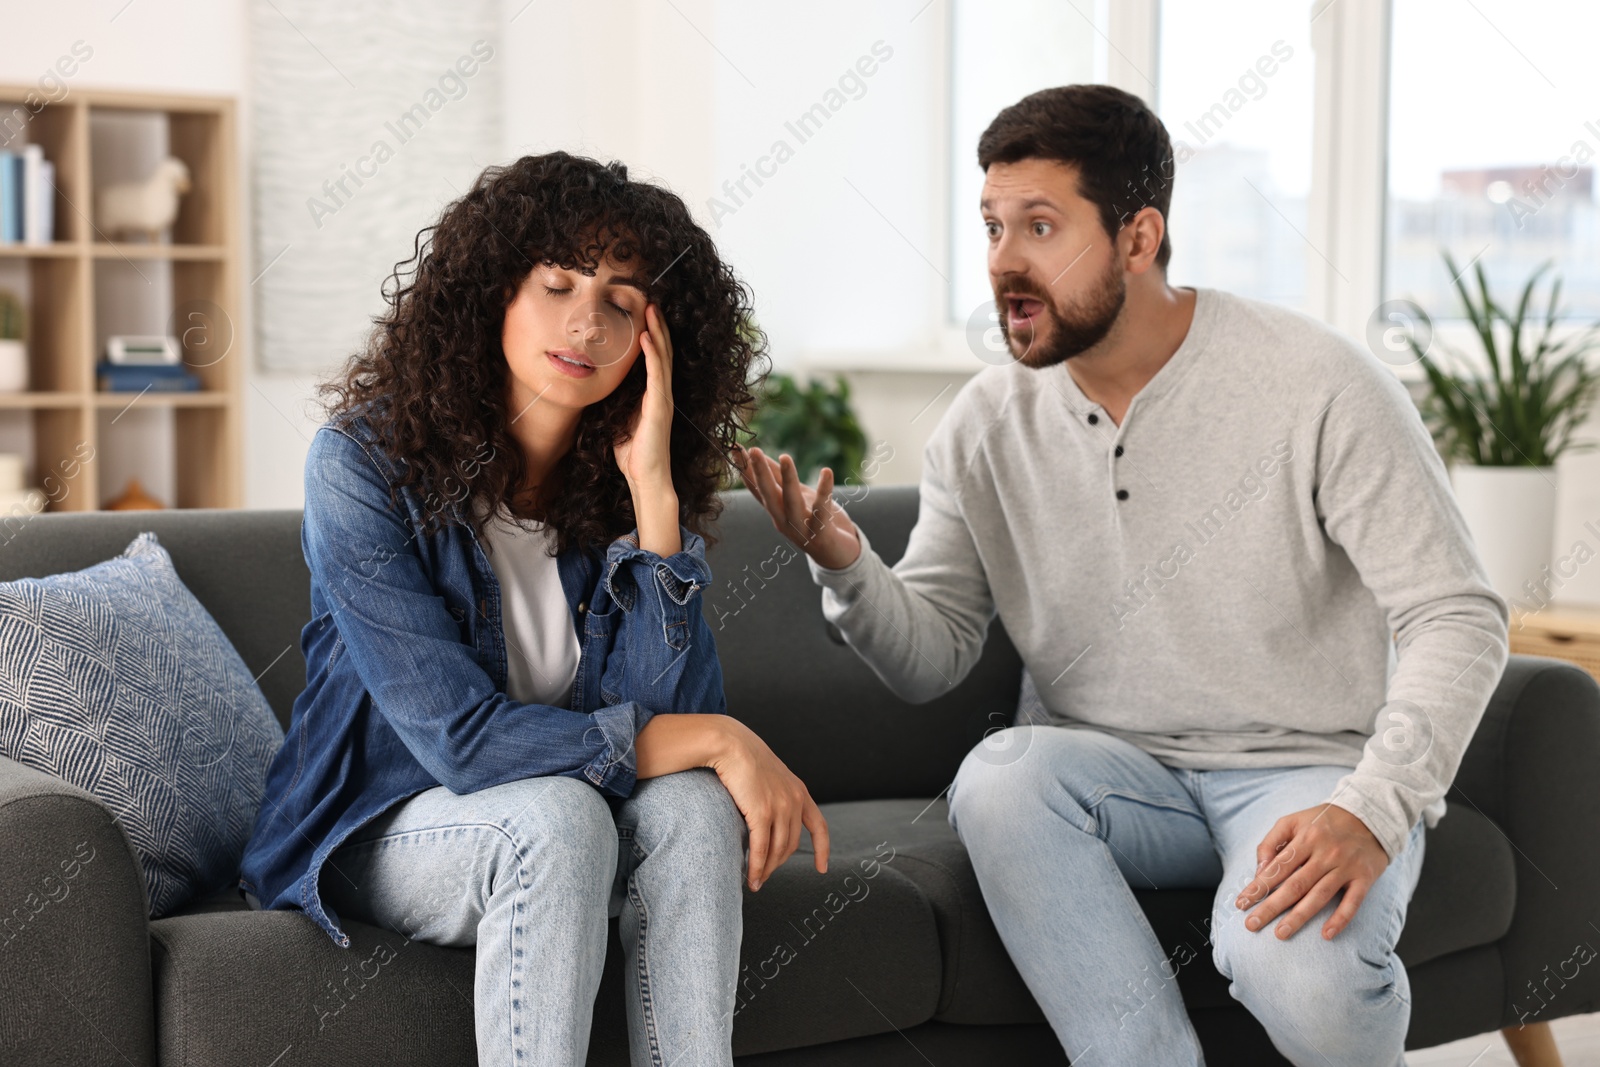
[
  {"x": 74, "y": 934},
  {"x": 1533, "y": 768}
]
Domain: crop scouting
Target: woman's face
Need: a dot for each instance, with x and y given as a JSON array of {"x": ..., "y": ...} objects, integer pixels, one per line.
[{"x": 571, "y": 336}]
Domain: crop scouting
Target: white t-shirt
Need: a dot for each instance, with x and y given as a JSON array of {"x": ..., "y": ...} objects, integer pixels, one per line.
[{"x": 541, "y": 640}]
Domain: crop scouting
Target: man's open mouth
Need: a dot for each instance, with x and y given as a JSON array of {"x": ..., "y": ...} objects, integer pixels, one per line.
[{"x": 1022, "y": 310}]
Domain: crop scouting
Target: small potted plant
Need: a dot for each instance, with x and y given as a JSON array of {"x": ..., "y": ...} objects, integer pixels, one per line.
[
  {"x": 13, "y": 351},
  {"x": 1503, "y": 419}
]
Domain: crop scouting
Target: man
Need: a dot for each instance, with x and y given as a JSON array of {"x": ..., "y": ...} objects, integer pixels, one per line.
[{"x": 1222, "y": 541}]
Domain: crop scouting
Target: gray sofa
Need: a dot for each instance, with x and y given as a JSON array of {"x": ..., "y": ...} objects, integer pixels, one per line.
[{"x": 902, "y": 967}]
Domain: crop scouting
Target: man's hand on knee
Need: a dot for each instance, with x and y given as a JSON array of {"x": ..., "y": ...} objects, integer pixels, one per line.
[{"x": 1303, "y": 861}]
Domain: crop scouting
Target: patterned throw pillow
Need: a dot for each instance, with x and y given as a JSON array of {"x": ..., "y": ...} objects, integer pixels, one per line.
[{"x": 116, "y": 679}]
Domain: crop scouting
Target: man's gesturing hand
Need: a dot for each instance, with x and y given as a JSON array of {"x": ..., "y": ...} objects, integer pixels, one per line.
[
  {"x": 1309, "y": 856},
  {"x": 811, "y": 518}
]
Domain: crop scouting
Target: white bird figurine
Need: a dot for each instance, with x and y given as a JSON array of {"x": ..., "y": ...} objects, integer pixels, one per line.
[{"x": 146, "y": 207}]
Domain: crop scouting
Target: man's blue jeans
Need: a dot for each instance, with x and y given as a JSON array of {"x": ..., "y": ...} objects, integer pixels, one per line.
[
  {"x": 529, "y": 871},
  {"x": 1063, "y": 822}
]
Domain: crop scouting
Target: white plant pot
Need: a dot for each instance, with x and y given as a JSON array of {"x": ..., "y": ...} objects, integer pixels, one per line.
[
  {"x": 13, "y": 366},
  {"x": 1511, "y": 512}
]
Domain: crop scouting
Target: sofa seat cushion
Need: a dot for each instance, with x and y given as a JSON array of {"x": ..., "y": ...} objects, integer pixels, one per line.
[
  {"x": 825, "y": 957},
  {"x": 979, "y": 983},
  {"x": 234, "y": 985},
  {"x": 1464, "y": 898},
  {"x": 830, "y": 956}
]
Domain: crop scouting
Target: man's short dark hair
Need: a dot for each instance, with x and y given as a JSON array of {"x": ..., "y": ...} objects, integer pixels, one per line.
[{"x": 1122, "y": 151}]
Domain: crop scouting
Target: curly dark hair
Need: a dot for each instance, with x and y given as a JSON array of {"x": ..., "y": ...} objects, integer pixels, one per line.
[{"x": 432, "y": 377}]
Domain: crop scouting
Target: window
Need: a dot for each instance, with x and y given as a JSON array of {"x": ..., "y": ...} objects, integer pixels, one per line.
[
  {"x": 1492, "y": 139},
  {"x": 1235, "y": 93},
  {"x": 1328, "y": 150}
]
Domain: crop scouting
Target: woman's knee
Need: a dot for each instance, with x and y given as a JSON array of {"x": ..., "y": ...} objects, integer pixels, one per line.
[
  {"x": 556, "y": 828},
  {"x": 689, "y": 807}
]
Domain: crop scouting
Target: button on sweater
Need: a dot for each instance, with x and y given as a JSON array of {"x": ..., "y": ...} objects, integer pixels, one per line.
[{"x": 1262, "y": 566}]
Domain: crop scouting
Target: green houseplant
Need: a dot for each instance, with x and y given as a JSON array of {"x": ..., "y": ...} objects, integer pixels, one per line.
[
  {"x": 1538, "y": 389},
  {"x": 815, "y": 423},
  {"x": 13, "y": 350},
  {"x": 1504, "y": 418}
]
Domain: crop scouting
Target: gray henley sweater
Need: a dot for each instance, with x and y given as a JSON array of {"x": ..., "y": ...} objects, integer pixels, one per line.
[{"x": 1263, "y": 566}]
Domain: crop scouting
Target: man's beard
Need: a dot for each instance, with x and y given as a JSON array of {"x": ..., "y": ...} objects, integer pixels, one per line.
[{"x": 1085, "y": 325}]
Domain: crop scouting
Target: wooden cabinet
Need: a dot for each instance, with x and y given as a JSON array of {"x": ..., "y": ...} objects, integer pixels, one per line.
[
  {"x": 1571, "y": 634},
  {"x": 189, "y": 288}
]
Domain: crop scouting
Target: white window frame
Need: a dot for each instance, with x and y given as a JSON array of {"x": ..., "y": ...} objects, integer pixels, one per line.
[{"x": 1349, "y": 155}]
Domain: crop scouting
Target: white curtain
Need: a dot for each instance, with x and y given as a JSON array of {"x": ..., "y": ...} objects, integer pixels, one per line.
[{"x": 368, "y": 117}]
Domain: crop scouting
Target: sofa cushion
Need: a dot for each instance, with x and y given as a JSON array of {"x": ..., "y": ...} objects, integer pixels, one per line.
[
  {"x": 245, "y": 566},
  {"x": 825, "y": 957},
  {"x": 1464, "y": 897},
  {"x": 116, "y": 679},
  {"x": 830, "y": 956},
  {"x": 240, "y": 986},
  {"x": 979, "y": 983}
]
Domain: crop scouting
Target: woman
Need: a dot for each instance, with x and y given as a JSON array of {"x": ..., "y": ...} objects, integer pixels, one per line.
[{"x": 513, "y": 724}]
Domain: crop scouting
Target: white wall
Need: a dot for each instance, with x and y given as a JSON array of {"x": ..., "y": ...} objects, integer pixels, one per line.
[
  {"x": 871, "y": 177},
  {"x": 181, "y": 45},
  {"x": 1576, "y": 572}
]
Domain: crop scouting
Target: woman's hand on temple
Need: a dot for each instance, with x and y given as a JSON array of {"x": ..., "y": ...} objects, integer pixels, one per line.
[{"x": 645, "y": 455}]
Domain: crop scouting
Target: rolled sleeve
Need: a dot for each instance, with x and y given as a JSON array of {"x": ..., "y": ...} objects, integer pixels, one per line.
[
  {"x": 675, "y": 579},
  {"x": 614, "y": 770},
  {"x": 665, "y": 656}
]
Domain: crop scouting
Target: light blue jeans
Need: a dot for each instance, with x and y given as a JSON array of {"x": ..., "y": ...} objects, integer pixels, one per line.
[
  {"x": 529, "y": 872},
  {"x": 1063, "y": 822}
]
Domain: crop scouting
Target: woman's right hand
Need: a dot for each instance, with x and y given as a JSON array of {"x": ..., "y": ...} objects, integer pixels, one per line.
[{"x": 775, "y": 804}]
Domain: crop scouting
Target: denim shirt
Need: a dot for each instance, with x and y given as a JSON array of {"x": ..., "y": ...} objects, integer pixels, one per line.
[{"x": 406, "y": 668}]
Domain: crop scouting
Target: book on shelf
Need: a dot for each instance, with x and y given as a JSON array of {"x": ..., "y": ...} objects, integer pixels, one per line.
[
  {"x": 27, "y": 196},
  {"x": 10, "y": 197},
  {"x": 46, "y": 222},
  {"x": 128, "y": 378}
]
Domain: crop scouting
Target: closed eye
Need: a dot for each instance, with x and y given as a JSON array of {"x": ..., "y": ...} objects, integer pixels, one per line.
[{"x": 613, "y": 303}]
